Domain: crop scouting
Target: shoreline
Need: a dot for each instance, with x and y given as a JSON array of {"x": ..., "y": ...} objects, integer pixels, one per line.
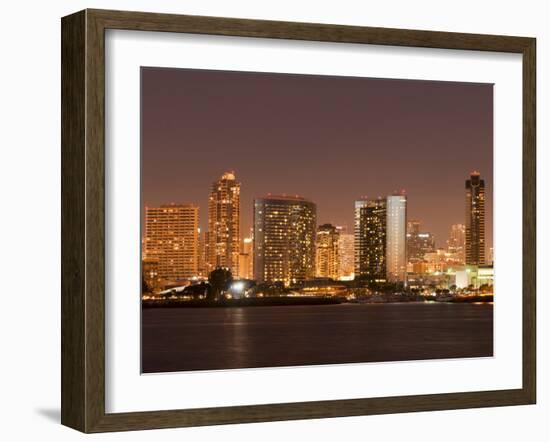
[{"x": 275, "y": 301}]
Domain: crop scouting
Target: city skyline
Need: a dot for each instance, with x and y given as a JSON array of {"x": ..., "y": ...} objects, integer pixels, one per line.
[
  {"x": 342, "y": 150},
  {"x": 291, "y": 247}
]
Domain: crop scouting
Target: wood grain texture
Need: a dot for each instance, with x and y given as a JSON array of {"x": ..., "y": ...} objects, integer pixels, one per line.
[
  {"x": 143, "y": 21},
  {"x": 73, "y": 128},
  {"x": 83, "y": 219},
  {"x": 529, "y": 221}
]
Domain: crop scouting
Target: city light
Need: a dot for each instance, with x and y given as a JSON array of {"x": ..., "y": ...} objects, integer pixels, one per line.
[
  {"x": 237, "y": 287},
  {"x": 385, "y": 253}
]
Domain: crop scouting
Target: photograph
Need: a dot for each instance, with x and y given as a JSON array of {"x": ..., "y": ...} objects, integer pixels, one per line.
[{"x": 303, "y": 220}]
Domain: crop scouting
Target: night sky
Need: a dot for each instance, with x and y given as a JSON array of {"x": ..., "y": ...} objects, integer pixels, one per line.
[{"x": 329, "y": 139}]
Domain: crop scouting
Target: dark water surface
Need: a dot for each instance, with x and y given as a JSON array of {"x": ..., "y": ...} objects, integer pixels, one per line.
[{"x": 178, "y": 339}]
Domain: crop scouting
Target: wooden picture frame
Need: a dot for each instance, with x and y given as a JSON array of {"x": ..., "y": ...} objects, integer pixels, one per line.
[{"x": 83, "y": 220}]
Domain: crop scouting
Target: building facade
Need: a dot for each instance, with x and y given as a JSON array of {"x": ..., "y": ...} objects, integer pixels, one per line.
[
  {"x": 346, "y": 247},
  {"x": 456, "y": 244},
  {"x": 370, "y": 239},
  {"x": 284, "y": 239},
  {"x": 396, "y": 238},
  {"x": 475, "y": 220},
  {"x": 418, "y": 242},
  {"x": 327, "y": 256},
  {"x": 246, "y": 259},
  {"x": 224, "y": 224},
  {"x": 475, "y": 277},
  {"x": 171, "y": 239}
]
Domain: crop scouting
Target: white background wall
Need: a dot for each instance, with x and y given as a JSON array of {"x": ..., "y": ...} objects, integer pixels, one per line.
[{"x": 30, "y": 216}]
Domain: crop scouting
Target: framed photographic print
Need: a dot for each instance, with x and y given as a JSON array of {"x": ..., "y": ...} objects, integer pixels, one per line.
[{"x": 270, "y": 220}]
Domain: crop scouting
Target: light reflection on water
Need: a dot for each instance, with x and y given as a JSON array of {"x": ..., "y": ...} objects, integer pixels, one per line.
[{"x": 176, "y": 339}]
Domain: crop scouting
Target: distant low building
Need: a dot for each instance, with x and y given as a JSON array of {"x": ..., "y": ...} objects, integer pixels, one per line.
[
  {"x": 322, "y": 287},
  {"x": 431, "y": 281},
  {"x": 150, "y": 273},
  {"x": 475, "y": 276}
]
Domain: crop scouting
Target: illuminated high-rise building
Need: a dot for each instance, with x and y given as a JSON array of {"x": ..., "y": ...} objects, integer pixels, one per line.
[
  {"x": 224, "y": 223},
  {"x": 171, "y": 239},
  {"x": 346, "y": 249},
  {"x": 370, "y": 239},
  {"x": 419, "y": 243},
  {"x": 327, "y": 258},
  {"x": 475, "y": 220},
  {"x": 246, "y": 259},
  {"x": 284, "y": 239},
  {"x": 396, "y": 238},
  {"x": 456, "y": 244}
]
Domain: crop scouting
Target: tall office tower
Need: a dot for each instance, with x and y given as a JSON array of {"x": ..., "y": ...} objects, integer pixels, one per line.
[
  {"x": 327, "y": 257},
  {"x": 475, "y": 220},
  {"x": 223, "y": 223},
  {"x": 456, "y": 244},
  {"x": 418, "y": 243},
  {"x": 284, "y": 239},
  {"x": 246, "y": 259},
  {"x": 346, "y": 254},
  {"x": 171, "y": 237},
  {"x": 370, "y": 239},
  {"x": 396, "y": 238}
]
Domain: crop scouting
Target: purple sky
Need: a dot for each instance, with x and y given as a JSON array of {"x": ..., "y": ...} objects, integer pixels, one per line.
[{"x": 330, "y": 139}]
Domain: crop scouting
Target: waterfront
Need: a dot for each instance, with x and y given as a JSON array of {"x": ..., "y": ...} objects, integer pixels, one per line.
[{"x": 180, "y": 339}]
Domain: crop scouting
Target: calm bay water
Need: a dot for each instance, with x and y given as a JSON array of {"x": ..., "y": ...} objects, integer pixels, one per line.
[{"x": 178, "y": 339}]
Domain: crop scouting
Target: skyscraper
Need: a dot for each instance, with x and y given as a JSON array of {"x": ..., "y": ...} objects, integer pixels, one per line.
[
  {"x": 346, "y": 253},
  {"x": 396, "y": 238},
  {"x": 370, "y": 239},
  {"x": 475, "y": 220},
  {"x": 456, "y": 244},
  {"x": 418, "y": 243},
  {"x": 284, "y": 239},
  {"x": 224, "y": 223},
  {"x": 246, "y": 257},
  {"x": 171, "y": 238},
  {"x": 327, "y": 259}
]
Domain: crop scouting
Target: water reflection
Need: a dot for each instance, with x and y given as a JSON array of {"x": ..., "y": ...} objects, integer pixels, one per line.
[{"x": 176, "y": 339}]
